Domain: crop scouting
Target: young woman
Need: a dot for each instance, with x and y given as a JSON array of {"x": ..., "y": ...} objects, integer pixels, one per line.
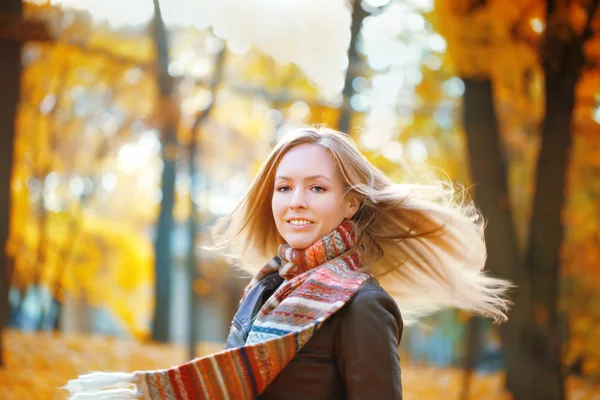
[{"x": 321, "y": 319}]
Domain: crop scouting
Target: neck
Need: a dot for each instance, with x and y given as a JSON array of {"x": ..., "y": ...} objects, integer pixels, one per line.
[{"x": 332, "y": 245}]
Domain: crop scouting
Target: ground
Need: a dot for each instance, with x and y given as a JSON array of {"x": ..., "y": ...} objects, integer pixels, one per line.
[{"x": 38, "y": 364}]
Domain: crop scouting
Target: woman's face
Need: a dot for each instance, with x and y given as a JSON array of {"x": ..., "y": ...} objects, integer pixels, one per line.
[{"x": 309, "y": 199}]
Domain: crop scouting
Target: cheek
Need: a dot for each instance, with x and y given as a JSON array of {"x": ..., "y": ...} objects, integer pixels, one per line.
[
  {"x": 277, "y": 206},
  {"x": 329, "y": 207}
]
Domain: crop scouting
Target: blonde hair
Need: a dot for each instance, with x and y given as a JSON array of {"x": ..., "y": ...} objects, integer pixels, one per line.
[{"x": 426, "y": 249}]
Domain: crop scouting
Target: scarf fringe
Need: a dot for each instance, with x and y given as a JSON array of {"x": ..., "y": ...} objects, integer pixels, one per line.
[
  {"x": 114, "y": 394},
  {"x": 104, "y": 386}
]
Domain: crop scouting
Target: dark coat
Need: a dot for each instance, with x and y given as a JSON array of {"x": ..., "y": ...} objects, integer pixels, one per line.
[{"x": 354, "y": 355}]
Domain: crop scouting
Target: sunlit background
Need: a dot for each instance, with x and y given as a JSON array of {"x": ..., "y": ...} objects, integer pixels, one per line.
[{"x": 131, "y": 141}]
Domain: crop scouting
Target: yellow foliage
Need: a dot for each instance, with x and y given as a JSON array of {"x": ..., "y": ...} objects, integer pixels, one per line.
[
  {"x": 80, "y": 102},
  {"x": 110, "y": 262}
]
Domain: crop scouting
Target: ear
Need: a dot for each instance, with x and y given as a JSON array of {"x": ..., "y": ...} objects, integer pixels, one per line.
[{"x": 353, "y": 205}]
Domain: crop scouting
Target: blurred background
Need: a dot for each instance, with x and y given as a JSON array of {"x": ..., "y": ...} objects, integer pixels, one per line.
[{"x": 128, "y": 128}]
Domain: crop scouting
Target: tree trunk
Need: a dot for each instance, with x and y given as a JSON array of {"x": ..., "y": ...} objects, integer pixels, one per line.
[
  {"x": 168, "y": 121},
  {"x": 562, "y": 61},
  {"x": 545, "y": 241},
  {"x": 193, "y": 264},
  {"x": 473, "y": 339},
  {"x": 488, "y": 173},
  {"x": 10, "y": 70},
  {"x": 358, "y": 15}
]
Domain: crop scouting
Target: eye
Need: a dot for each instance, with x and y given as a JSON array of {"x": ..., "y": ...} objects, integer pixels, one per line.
[
  {"x": 283, "y": 188},
  {"x": 317, "y": 189}
]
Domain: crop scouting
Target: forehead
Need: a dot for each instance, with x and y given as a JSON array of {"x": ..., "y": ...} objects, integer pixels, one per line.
[{"x": 305, "y": 160}]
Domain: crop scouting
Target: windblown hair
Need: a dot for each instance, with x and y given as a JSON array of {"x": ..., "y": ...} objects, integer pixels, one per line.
[{"x": 425, "y": 247}]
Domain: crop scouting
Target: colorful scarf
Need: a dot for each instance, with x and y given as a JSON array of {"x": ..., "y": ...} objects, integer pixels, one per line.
[{"x": 319, "y": 280}]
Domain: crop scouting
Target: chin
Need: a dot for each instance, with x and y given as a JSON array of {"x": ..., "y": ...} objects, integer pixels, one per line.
[{"x": 299, "y": 243}]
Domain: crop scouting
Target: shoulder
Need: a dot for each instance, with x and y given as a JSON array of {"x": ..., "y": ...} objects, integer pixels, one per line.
[
  {"x": 371, "y": 292},
  {"x": 371, "y": 313},
  {"x": 371, "y": 298}
]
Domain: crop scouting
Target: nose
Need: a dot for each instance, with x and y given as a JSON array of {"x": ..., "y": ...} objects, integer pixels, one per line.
[{"x": 298, "y": 200}]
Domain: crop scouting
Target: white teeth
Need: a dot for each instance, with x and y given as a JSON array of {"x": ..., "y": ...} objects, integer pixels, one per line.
[{"x": 300, "y": 222}]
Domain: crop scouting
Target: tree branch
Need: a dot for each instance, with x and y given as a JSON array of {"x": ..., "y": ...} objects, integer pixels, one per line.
[
  {"x": 550, "y": 8},
  {"x": 12, "y": 27},
  {"x": 476, "y": 5},
  {"x": 116, "y": 58},
  {"x": 219, "y": 66},
  {"x": 588, "y": 31}
]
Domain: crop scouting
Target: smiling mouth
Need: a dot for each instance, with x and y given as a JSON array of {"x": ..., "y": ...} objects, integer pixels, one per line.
[{"x": 299, "y": 222}]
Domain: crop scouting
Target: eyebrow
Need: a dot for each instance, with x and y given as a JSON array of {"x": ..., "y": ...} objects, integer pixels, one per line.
[{"x": 308, "y": 178}]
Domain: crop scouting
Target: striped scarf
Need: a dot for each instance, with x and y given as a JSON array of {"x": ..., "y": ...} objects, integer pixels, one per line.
[{"x": 319, "y": 281}]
